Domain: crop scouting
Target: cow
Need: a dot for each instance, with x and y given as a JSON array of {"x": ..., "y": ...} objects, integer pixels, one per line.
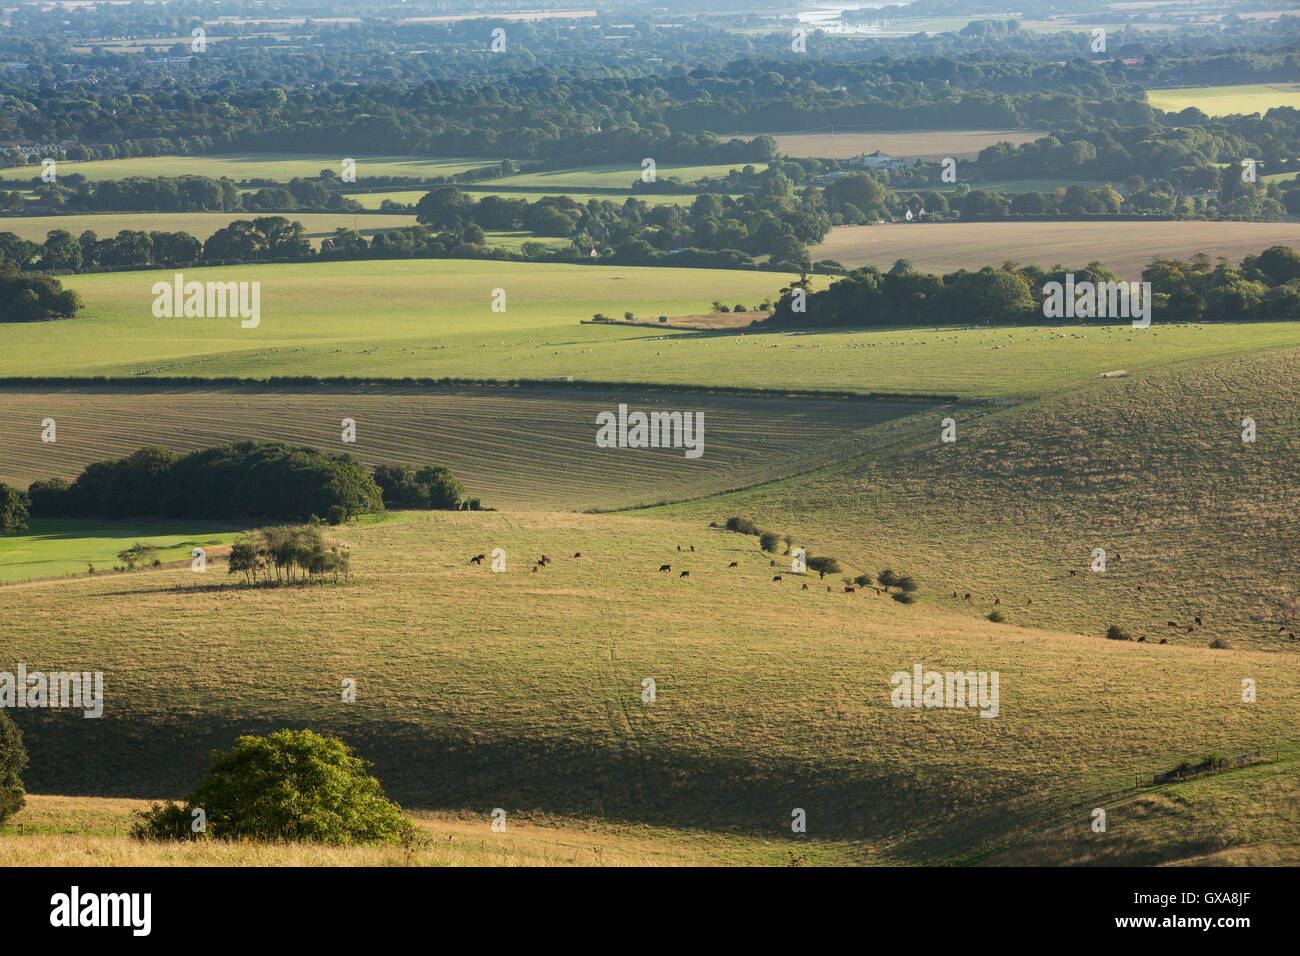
[
  {"x": 805, "y": 587},
  {"x": 1074, "y": 574},
  {"x": 477, "y": 559},
  {"x": 734, "y": 564},
  {"x": 544, "y": 560},
  {"x": 679, "y": 547},
  {"x": 578, "y": 555},
  {"x": 534, "y": 569},
  {"x": 692, "y": 547},
  {"x": 684, "y": 574},
  {"x": 954, "y": 593},
  {"x": 1198, "y": 620},
  {"x": 1190, "y": 629},
  {"x": 967, "y": 597},
  {"x": 776, "y": 577},
  {"x": 665, "y": 567},
  {"x": 1139, "y": 589},
  {"x": 849, "y": 590},
  {"x": 1164, "y": 640},
  {"x": 773, "y": 563},
  {"x": 1142, "y": 639},
  {"x": 828, "y": 589},
  {"x": 1031, "y": 600},
  {"x": 1171, "y": 623},
  {"x": 997, "y": 601}
]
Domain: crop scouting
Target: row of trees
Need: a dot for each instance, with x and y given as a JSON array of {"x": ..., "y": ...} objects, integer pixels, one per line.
[
  {"x": 292, "y": 554},
  {"x": 34, "y": 298},
  {"x": 1263, "y": 287}
]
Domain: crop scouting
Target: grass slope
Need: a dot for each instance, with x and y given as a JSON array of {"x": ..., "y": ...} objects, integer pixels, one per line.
[{"x": 62, "y": 546}]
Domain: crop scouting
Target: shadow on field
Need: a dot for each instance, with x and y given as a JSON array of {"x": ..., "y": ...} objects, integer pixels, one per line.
[{"x": 899, "y": 811}]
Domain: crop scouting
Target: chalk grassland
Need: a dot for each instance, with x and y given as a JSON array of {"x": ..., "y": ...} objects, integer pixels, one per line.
[
  {"x": 522, "y": 690},
  {"x": 1227, "y": 100},
  {"x": 413, "y": 196},
  {"x": 1242, "y": 817},
  {"x": 511, "y": 447},
  {"x": 1151, "y": 468},
  {"x": 200, "y": 225},
  {"x": 60, "y": 546},
  {"x": 433, "y": 319},
  {"x": 932, "y": 145},
  {"x": 241, "y": 167},
  {"x": 617, "y": 176},
  {"x": 1124, "y": 247},
  {"x": 91, "y": 831}
]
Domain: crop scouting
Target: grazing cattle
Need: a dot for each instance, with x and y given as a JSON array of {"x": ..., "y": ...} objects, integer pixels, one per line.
[
  {"x": 1031, "y": 600},
  {"x": 1291, "y": 634},
  {"x": 805, "y": 587},
  {"x": 578, "y": 555},
  {"x": 684, "y": 574},
  {"x": 1164, "y": 640},
  {"x": 477, "y": 559},
  {"x": 967, "y": 597},
  {"x": 1172, "y": 623},
  {"x": 1198, "y": 621},
  {"x": 1190, "y": 629},
  {"x": 954, "y": 593},
  {"x": 828, "y": 589},
  {"x": 877, "y": 590},
  {"x": 679, "y": 547},
  {"x": 534, "y": 569},
  {"x": 734, "y": 564},
  {"x": 776, "y": 577},
  {"x": 773, "y": 564},
  {"x": 849, "y": 590},
  {"x": 692, "y": 547},
  {"x": 665, "y": 567},
  {"x": 1142, "y": 639},
  {"x": 1074, "y": 574},
  {"x": 1139, "y": 589},
  {"x": 544, "y": 560},
  {"x": 997, "y": 601}
]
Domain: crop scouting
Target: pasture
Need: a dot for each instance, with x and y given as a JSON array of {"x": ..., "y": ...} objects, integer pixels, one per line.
[
  {"x": 53, "y": 546},
  {"x": 768, "y": 697},
  {"x": 1124, "y": 247},
  {"x": 1227, "y": 100},
  {"x": 478, "y": 191},
  {"x": 241, "y": 167},
  {"x": 433, "y": 319},
  {"x": 616, "y": 176},
  {"x": 511, "y": 447}
]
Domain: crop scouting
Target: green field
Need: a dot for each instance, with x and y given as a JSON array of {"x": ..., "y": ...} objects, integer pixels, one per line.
[
  {"x": 62, "y": 546},
  {"x": 1227, "y": 100},
  {"x": 280, "y": 167},
  {"x": 200, "y": 225},
  {"x": 616, "y": 177}
]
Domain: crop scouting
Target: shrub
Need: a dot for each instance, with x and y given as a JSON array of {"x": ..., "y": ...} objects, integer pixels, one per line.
[
  {"x": 904, "y": 597},
  {"x": 887, "y": 578},
  {"x": 1117, "y": 633},
  {"x": 997, "y": 617},
  {"x": 863, "y": 580},
  {"x": 1219, "y": 644},
  {"x": 907, "y": 583},
  {"x": 742, "y": 526},
  {"x": 13, "y": 758},
  {"x": 824, "y": 566},
  {"x": 768, "y": 541},
  {"x": 294, "y": 786}
]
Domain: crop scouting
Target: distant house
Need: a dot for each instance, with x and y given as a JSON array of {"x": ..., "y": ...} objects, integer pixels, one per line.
[{"x": 879, "y": 160}]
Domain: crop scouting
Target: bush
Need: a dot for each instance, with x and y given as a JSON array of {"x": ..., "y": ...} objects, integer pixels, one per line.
[
  {"x": 904, "y": 597},
  {"x": 997, "y": 617},
  {"x": 742, "y": 526},
  {"x": 907, "y": 583},
  {"x": 824, "y": 566},
  {"x": 295, "y": 786},
  {"x": 768, "y": 541},
  {"x": 1219, "y": 644},
  {"x": 887, "y": 578},
  {"x": 863, "y": 580},
  {"x": 13, "y": 758},
  {"x": 1117, "y": 633}
]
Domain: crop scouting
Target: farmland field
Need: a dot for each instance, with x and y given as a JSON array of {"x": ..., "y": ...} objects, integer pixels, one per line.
[
  {"x": 1226, "y": 100},
  {"x": 1124, "y": 247},
  {"x": 280, "y": 167},
  {"x": 200, "y": 225},
  {"x": 479, "y": 190},
  {"x": 433, "y": 319},
  {"x": 922, "y": 144},
  {"x": 512, "y": 447},
  {"x": 615, "y": 177}
]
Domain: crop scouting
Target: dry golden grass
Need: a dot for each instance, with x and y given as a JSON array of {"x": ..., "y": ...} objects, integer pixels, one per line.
[{"x": 926, "y": 144}]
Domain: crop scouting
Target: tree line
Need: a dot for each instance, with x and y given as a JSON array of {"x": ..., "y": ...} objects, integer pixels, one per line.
[
  {"x": 246, "y": 479},
  {"x": 1264, "y": 287}
]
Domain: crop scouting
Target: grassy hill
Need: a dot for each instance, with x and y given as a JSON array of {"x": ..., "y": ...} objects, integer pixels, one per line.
[
  {"x": 1151, "y": 467},
  {"x": 523, "y": 690}
]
